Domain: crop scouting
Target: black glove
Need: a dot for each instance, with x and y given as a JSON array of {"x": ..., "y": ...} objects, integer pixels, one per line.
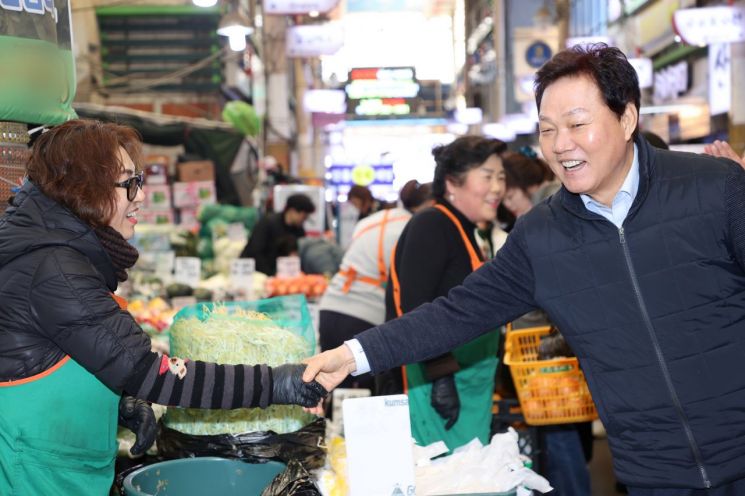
[
  {"x": 288, "y": 387},
  {"x": 137, "y": 416},
  {"x": 445, "y": 399}
]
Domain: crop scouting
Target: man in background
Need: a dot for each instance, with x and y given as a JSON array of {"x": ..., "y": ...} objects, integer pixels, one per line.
[{"x": 276, "y": 229}]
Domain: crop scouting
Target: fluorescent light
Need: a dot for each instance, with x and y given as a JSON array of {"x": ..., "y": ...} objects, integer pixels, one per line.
[
  {"x": 237, "y": 41},
  {"x": 233, "y": 23}
]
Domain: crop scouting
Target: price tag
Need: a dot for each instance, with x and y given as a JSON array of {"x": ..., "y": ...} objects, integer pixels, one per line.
[
  {"x": 288, "y": 267},
  {"x": 237, "y": 232},
  {"x": 188, "y": 270},
  {"x": 180, "y": 302},
  {"x": 242, "y": 275}
]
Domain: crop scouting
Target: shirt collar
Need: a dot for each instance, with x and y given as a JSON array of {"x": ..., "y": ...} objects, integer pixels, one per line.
[{"x": 629, "y": 187}]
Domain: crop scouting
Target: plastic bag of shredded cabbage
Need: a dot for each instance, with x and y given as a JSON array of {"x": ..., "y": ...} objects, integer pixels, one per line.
[{"x": 272, "y": 331}]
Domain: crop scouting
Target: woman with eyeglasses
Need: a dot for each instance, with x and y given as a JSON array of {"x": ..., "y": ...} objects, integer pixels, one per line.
[{"x": 68, "y": 349}]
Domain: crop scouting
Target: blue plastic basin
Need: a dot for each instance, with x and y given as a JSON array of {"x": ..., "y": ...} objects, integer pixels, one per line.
[{"x": 202, "y": 477}]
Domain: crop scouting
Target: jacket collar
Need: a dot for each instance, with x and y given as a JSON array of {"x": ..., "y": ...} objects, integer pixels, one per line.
[{"x": 647, "y": 156}]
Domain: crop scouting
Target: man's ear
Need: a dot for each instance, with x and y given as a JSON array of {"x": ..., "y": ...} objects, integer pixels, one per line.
[{"x": 629, "y": 120}]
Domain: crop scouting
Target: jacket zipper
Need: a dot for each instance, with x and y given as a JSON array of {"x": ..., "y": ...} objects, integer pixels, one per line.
[{"x": 661, "y": 361}]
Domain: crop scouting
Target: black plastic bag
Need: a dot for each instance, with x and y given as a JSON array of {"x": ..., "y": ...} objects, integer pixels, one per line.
[
  {"x": 254, "y": 447},
  {"x": 294, "y": 481}
]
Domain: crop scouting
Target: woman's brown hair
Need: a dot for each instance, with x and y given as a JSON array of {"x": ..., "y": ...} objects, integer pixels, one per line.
[
  {"x": 523, "y": 171},
  {"x": 77, "y": 163}
]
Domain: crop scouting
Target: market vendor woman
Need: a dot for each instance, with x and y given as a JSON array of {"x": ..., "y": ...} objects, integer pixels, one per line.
[{"x": 68, "y": 351}]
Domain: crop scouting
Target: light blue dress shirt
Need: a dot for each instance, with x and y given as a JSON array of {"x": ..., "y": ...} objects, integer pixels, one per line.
[{"x": 621, "y": 204}]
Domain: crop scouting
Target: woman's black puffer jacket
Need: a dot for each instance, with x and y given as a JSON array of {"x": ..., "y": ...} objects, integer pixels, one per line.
[{"x": 56, "y": 282}]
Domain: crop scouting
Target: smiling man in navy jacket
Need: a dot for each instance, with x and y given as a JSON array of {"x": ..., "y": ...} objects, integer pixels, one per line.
[{"x": 640, "y": 259}]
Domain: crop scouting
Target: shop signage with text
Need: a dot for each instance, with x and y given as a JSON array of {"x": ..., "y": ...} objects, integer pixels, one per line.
[
  {"x": 381, "y": 91},
  {"x": 706, "y": 25}
]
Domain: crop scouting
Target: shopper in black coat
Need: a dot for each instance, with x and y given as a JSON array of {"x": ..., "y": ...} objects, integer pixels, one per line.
[
  {"x": 639, "y": 259},
  {"x": 277, "y": 230}
]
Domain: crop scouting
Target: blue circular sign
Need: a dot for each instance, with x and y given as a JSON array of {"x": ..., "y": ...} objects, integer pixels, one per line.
[{"x": 537, "y": 54}]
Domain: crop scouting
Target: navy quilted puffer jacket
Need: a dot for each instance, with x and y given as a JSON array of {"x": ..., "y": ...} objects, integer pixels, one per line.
[{"x": 655, "y": 311}]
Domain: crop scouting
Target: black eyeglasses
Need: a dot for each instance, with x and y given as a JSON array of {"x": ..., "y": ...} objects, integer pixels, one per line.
[{"x": 132, "y": 185}]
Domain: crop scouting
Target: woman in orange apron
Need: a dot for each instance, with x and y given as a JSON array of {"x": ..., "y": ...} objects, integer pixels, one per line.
[
  {"x": 450, "y": 396},
  {"x": 355, "y": 298}
]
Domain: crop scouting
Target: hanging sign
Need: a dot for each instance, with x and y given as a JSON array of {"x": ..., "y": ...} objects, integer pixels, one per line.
[
  {"x": 532, "y": 47},
  {"x": 644, "y": 71},
  {"x": 706, "y": 25},
  {"x": 381, "y": 91},
  {"x": 298, "y": 6},
  {"x": 362, "y": 174},
  {"x": 313, "y": 40},
  {"x": 537, "y": 54},
  {"x": 36, "y": 42},
  {"x": 720, "y": 78},
  {"x": 670, "y": 82},
  {"x": 326, "y": 101}
]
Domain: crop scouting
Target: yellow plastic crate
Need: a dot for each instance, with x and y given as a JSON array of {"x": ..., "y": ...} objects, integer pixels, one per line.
[{"x": 550, "y": 391}]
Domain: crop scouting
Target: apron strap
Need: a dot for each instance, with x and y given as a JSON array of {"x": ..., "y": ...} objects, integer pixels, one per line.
[
  {"x": 476, "y": 262},
  {"x": 351, "y": 274}
]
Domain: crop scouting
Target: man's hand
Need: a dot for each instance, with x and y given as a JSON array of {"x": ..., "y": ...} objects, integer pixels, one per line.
[
  {"x": 445, "y": 400},
  {"x": 723, "y": 149},
  {"x": 137, "y": 416},
  {"x": 330, "y": 367},
  {"x": 288, "y": 387}
]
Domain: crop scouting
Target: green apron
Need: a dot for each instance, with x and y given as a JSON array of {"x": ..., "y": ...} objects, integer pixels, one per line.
[
  {"x": 475, "y": 383},
  {"x": 57, "y": 434}
]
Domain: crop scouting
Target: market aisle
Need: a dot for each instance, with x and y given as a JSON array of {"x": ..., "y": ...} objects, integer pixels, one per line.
[{"x": 602, "y": 480}]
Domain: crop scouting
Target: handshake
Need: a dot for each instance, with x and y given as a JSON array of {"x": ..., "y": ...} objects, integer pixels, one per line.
[{"x": 288, "y": 387}]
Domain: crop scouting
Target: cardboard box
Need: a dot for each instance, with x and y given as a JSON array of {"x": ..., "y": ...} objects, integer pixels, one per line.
[
  {"x": 203, "y": 170},
  {"x": 156, "y": 216},
  {"x": 157, "y": 197},
  {"x": 194, "y": 194},
  {"x": 156, "y": 169},
  {"x": 188, "y": 218}
]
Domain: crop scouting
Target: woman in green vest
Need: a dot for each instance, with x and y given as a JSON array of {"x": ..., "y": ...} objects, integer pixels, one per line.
[
  {"x": 450, "y": 396},
  {"x": 68, "y": 350}
]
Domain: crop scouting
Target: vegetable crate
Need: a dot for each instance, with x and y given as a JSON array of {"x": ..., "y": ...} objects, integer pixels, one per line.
[{"x": 550, "y": 391}]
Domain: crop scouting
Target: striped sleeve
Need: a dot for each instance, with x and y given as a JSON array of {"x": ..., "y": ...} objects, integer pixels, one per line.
[{"x": 197, "y": 384}]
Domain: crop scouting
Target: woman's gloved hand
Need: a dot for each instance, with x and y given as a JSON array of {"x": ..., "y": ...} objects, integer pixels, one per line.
[
  {"x": 288, "y": 387},
  {"x": 137, "y": 416},
  {"x": 445, "y": 399}
]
